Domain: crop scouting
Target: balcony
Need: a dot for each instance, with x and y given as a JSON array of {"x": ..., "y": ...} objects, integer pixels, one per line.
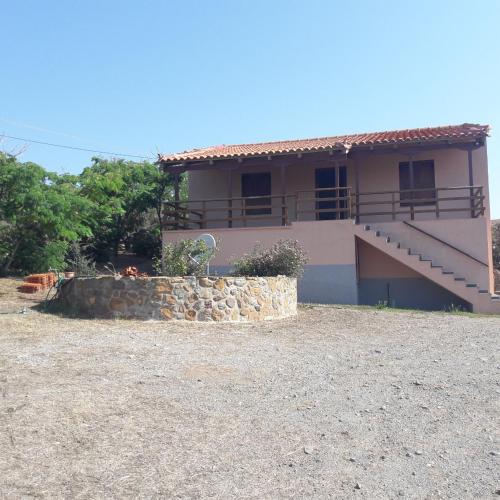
[{"x": 339, "y": 203}]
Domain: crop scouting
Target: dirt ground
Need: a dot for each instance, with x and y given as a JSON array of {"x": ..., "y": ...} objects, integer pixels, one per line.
[{"x": 339, "y": 402}]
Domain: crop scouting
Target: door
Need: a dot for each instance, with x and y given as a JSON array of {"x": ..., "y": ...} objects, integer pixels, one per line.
[
  {"x": 332, "y": 177},
  {"x": 257, "y": 188}
]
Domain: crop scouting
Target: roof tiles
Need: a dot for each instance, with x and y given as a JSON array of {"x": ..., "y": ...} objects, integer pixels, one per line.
[{"x": 395, "y": 137}]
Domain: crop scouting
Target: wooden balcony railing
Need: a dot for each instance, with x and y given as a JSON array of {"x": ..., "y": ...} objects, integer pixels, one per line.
[{"x": 320, "y": 204}]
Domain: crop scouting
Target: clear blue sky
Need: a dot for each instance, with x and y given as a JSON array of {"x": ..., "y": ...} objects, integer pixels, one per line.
[{"x": 141, "y": 77}]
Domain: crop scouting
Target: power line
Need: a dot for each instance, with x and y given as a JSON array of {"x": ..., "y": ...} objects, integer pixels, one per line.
[{"x": 75, "y": 147}]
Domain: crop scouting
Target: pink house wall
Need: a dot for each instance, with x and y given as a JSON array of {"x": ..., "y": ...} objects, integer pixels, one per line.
[{"x": 376, "y": 173}]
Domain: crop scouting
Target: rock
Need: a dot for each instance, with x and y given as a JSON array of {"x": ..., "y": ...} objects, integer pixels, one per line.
[
  {"x": 357, "y": 486},
  {"x": 166, "y": 313},
  {"x": 205, "y": 282},
  {"x": 219, "y": 284},
  {"x": 417, "y": 382},
  {"x": 117, "y": 305},
  {"x": 308, "y": 450},
  {"x": 352, "y": 459},
  {"x": 190, "y": 315},
  {"x": 230, "y": 302},
  {"x": 418, "y": 452}
]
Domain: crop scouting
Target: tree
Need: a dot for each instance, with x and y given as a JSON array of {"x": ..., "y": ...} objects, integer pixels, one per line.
[
  {"x": 41, "y": 213},
  {"x": 128, "y": 195}
]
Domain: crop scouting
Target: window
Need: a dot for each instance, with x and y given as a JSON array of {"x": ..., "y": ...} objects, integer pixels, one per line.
[
  {"x": 257, "y": 187},
  {"x": 423, "y": 181}
]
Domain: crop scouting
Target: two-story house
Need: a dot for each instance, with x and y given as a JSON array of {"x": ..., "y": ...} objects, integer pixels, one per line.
[{"x": 399, "y": 216}]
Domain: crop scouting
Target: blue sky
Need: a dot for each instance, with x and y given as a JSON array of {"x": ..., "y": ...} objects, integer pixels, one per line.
[{"x": 141, "y": 77}]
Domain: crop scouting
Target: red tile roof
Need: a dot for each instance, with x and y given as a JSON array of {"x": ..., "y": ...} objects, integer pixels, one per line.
[{"x": 462, "y": 132}]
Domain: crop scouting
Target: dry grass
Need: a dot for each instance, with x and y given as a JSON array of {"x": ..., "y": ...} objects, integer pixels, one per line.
[{"x": 399, "y": 404}]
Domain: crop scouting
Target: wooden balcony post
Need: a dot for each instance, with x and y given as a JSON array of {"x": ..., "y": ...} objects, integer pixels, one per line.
[
  {"x": 471, "y": 182},
  {"x": 176, "y": 199},
  {"x": 230, "y": 198},
  {"x": 412, "y": 187},
  {"x": 356, "y": 187},
  {"x": 283, "y": 196}
]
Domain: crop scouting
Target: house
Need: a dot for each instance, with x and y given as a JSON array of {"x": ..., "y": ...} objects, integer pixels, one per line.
[{"x": 399, "y": 216}]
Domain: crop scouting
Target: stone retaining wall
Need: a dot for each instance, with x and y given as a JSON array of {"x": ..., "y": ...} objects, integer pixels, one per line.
[{"x": 181, "y": 298}]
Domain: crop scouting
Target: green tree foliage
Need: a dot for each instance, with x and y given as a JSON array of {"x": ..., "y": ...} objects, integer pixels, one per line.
[
  {"x": 128, "y": 196},
  {"x": 40, "y": 214},
  {"x": 110, "y": 204}
]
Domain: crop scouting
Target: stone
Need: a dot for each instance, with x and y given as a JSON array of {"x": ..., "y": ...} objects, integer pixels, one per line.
[
  {"x": 205, "y": 282},
  {"x": 166, "y": 313},
  {"x": 116, "y": 304},
  {"x": 230, "y": 302},
  {"x": 240, "y": 281},
  {"x": 169, "y": 299},
  {"x": 217, "y": 315},
  {"x": 193, "y": 297},
  {"x": 219, "y": 284},
  {"x": 308, "y": 450},
  {"x": 190, "y": 315},
  {"x": 163, "y": 288}
]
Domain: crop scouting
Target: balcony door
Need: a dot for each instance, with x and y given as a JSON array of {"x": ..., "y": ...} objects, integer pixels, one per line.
[
  {"x": 331, "y": 177},
  {"x": 256, "y": 191}
]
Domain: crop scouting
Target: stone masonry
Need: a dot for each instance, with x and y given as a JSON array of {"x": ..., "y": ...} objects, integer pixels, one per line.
[{"x": 182, "y": 298}]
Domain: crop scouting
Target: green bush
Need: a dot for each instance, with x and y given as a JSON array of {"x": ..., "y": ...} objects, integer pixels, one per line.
[
  {"x": 183, "y": 258},
  {"x": 284, "y": 258}
]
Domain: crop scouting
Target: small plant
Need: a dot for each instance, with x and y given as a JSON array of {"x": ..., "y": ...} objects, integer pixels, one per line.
[
  {"x": 78, "y": 262},
  {"x": 383, "y": 304},
  {"x": 183, "y": 258},
  {"x": 284, "y": 258},
  {"x": 455, "y": 308}
]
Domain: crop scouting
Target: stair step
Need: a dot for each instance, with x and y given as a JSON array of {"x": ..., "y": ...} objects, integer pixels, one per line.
[
  {"x": 495, "y": 297},
  {"x": 458, "y": 278},
  {"x": 437, "y": 266},
  {"x": 447, "y": 272},
  {"x": 422, "y": 259},
  {"x": 471, "y": 285},
  {"x": 388, "y": 239},
  {"x": 367, "y": 227},
  {"x": 377, "y": 233},
  {"x": 483, "y": 291}
]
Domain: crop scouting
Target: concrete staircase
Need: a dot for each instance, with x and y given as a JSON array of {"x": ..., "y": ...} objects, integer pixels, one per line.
[{"x": 481, "y": 300}]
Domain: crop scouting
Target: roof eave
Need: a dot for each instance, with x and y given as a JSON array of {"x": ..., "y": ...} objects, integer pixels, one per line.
[{"x": 363, "y": 147}]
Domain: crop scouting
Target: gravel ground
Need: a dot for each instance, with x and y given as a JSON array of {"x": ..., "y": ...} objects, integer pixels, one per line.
[{"x": 338, "y": 403}]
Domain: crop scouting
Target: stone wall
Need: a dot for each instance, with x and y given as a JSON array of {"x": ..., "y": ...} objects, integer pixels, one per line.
[{"x": 181, "y": 298}]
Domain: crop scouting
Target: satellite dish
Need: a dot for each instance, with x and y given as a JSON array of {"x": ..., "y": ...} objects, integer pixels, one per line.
[
  {"x": 208, "y": 239},
  {"x": 211, "y": 244}
]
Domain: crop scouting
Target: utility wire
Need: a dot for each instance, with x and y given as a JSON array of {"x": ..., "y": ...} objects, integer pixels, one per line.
[{"x": 75, "y": 148}]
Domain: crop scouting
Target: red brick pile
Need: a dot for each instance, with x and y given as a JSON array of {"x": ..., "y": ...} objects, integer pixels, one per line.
[
  {"x": 36, "y": 282},
  {"x": 133, "y": 272}
]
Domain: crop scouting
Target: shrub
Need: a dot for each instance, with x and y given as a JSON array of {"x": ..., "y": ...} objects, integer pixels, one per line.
[
  {"x": 285, "y": 257},
  {"x": 183, "y": 258},
  {"x": 78, "y": 262}
]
